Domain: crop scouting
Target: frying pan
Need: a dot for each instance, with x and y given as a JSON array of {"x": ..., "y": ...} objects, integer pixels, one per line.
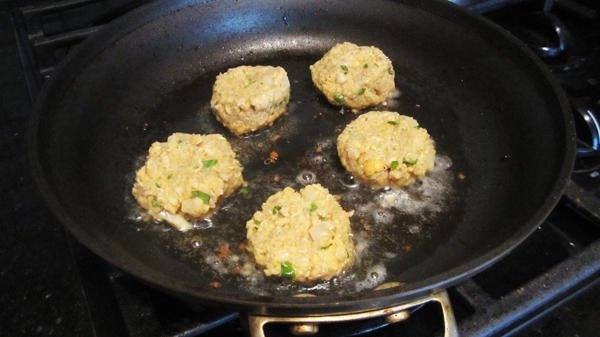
[{"x": 492, "y": 108}]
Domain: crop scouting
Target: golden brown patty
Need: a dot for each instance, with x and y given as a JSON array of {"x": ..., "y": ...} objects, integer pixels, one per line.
[
  {"x": 303, "y": 235},
  {"x": 386, "y": 149},
  {"x": 186, "y": 177},
  {"x": 353, "y": 76},
  {"x": 247, "y": 98}
]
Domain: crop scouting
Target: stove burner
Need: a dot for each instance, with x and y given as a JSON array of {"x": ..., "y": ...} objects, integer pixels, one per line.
[
  {"x": 588, "y": 131},
  {"x": 545, "y": 34}
]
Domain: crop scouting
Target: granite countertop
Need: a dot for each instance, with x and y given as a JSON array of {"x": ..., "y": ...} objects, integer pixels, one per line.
[{"x": 40, "y": 290}]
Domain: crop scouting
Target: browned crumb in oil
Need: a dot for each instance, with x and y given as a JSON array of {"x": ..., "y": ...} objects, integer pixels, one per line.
[
  {"x": 277, "y": 178},
  {"x": 224, "y": 251},
  {"x": 461, "y": 176},
  {"x": 215, "y": 285}
]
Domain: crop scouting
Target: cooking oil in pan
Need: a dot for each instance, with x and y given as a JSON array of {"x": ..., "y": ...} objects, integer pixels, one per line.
[
  {"x": 390, "y": 227},
  {"x": 387, "y": 224}
]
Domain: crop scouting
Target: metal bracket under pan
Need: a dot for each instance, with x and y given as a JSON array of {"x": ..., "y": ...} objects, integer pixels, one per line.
[{"x": 308, "y": 325}]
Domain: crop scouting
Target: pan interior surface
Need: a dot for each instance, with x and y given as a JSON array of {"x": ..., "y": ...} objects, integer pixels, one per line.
[{"x": 486, "y": 103}]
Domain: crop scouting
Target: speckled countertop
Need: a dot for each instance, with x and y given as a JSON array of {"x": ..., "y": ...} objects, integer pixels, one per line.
[{"x": 40, "y": 290}]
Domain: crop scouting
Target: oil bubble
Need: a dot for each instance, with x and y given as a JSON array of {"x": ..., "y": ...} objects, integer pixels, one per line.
[
  {"x": 442, "y": 163},
  {"x": 205, "y": 223},
  {"x": 316, "y": 160},
  {"x": 369, "y": 282},
  {"x": 383, "y": 217},
  {"x": 348, "y": 181},
  {"x": 306, "y": 178},
  {"x": 362, "y": 210}
]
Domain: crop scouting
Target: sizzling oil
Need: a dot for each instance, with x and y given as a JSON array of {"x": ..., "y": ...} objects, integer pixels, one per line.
[{"x": 390, "y": 227}]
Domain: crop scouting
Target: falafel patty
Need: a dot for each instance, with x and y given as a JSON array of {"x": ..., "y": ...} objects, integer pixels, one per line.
[
  {"x": 302, "y": 236},
  {"x": 386, "y": 149},
  {"x": 248, "y": 98},
  {"x": 187, "y": 176},
  {"x": 354, "y": 76}
]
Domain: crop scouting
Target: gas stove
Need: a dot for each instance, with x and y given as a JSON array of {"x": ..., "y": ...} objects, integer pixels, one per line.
[{"x": 52, "y": 285}]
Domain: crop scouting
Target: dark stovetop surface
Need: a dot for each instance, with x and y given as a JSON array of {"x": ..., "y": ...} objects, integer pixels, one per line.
[
  {"x": 52, "y": 286},
  {"x": 38, "y": 277}
]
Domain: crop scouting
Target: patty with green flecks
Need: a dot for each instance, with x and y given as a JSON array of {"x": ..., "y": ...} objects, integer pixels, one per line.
[
  {"x": 301, "y": 236},
  {"x": 354, "y": 76}
]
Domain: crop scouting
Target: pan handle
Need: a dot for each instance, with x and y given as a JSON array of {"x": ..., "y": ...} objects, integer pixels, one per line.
[{"x": 309, "y": 325}]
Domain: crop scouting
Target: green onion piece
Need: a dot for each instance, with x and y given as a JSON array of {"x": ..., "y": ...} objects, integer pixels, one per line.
[
  {"x": 198, "y": 194},
  {"x": 157, "y": 185},
  {"x": 250, "y": 82},
  {"x": 287, "y": 270},
  {"x": 276, "y": 209},
  {"x": 362, "y": 91},
  {"x": 170, "y": 176},
  {"x": 409, "y": 161},
  {"x": 345, "y": 69},
  {"x": 244, "y": 190},
  {"x": 209, "y": 163},
  {"x": 392, "y": 123},
  {"x": 339, "y": 97},
  {"x": 418, "y": 127},
  {"x": 366, "y": 66},
  {"x": 179, "y": 141},
  {"x": 242, "y": 167},
  {"x": 325, "y": 247},
  {"x": 313, "y": 207},
  {"x": 256, "y": 222},
  {"x": 391, "y": 71},
  {"x": 155, "y": 203},
  {"x": 395, "y": 164}
]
